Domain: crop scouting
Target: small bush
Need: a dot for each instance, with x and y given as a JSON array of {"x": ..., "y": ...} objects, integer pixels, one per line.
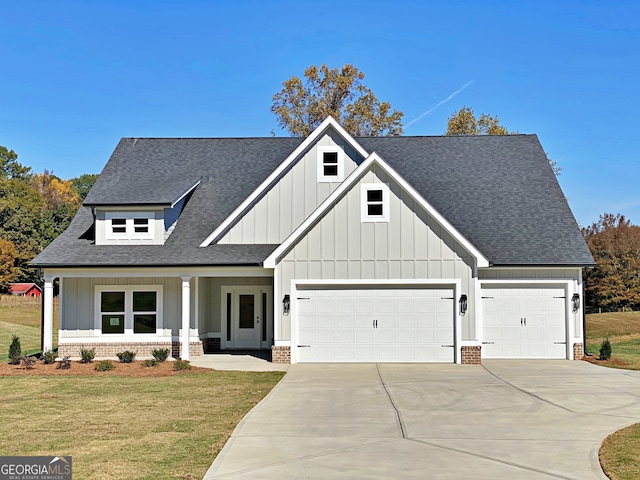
[
  {"x": 28, "y": 362},
  {"x": 161, "y": 354},
  {"x": 182, "y": 365},
  {"x": 152, "y": 362},
  {"x": 49, "y": 357},
  {"x": 105, "y": 366},
  {"x": 15, "y": 350},
  {"x": 605, "y": 350},
  {"x": 87, "y": 355},
  {"x": 65, "y": 363},
  {"x": 126, "y": 357}
]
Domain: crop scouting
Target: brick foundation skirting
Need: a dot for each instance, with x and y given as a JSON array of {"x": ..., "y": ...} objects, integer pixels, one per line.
[
  {"x": 211, "y": 345},
  {"x": 471, "y": 354},
  {"x": 578, "y": 351},
  {"x": 280, "y": 354},
  {"x": 142, "y": 350}
]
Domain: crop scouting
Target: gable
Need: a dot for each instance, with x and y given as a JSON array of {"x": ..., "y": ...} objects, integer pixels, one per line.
[
  {"x": 385, "y": 176},
  {"x": 295, "y": 195},
  {"x": 409, "y": 244}
]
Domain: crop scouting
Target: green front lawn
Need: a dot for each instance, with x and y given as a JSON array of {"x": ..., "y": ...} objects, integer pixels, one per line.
[
  {"x": 619, "y": 454},
  {"x": 623, "y": 331},
  {"x": 24, "y": 321},
  {"x": 118, "y": 427}
]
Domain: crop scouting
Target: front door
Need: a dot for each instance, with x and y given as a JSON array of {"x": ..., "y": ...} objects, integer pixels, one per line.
[
  {"x": 247, "y": 322},
  {"x": 247, "y": 317}
]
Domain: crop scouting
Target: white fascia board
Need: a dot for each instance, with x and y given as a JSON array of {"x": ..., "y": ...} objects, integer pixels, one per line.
[
  {"x": 270, "y": 262},
  {"x": 186, "y": 192},
  {"x": 264, "y": 186}
]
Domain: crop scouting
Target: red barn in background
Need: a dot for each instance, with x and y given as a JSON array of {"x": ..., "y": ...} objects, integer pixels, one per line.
[{"x": 25, "y": 289}]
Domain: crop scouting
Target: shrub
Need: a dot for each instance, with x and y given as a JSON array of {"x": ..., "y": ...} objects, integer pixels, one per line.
[
  {"x": 160, "y": 354},
  {"x": 65, "y": 363},
  {"x": 49, "y": 357},
  {"x": 87, "y": 355},
  {"x": 152, "y": 362},
  {"x": 605, "y": 350},
  {"x": 127, "y": 356},
  {"x": 28, "y": 362},
  {"x": 181, "y": 365},
  {"x": 105, "y": 366},
  {"x": 15, "y": 350}
]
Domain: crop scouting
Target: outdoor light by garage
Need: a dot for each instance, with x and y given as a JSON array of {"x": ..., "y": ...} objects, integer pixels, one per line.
[
  {"x": 463, "y": 304},
  {"x": 286, "y": 304},
  {"x": 575, "y": 303}
]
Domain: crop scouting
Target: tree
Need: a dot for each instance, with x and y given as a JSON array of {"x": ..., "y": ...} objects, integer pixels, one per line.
[
  {"x": 84, "y": 183},
  {"x": 339, "y": 92},
  {"x": 9, "y": 166},
  {"x": 55, "y": 192},
  {"x": 464, "y": 122},
  {"x": 8, "y": 254},
  {"x": 615, "y": 245}
]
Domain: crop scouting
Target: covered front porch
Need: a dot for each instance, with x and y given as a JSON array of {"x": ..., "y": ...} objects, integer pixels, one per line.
[{"x": 189, "y": 310}]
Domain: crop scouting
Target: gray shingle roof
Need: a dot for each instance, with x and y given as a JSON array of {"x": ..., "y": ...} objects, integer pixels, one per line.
[{"x": 498, "y": 191}]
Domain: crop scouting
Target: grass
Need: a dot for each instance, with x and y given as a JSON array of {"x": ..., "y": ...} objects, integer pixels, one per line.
[
  {"x": 23, "y": 319},
  {"x": 623, "y": 331},
  {"x": 619, "y": 454},
  {"x": 122, "y": 427}
]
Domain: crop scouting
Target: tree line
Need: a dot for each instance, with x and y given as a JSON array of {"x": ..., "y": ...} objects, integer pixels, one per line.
[{"x": 34, "y": 209}]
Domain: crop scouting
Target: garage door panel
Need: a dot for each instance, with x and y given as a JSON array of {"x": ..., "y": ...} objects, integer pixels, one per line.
[
  {"x": 412, "y": 325},
  {"x": 523, "y": 322}
]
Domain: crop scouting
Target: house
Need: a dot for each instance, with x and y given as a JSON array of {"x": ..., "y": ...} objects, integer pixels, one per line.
[
  {"x": 324, "y": 249},
  {"x": 25, "y": 289}
]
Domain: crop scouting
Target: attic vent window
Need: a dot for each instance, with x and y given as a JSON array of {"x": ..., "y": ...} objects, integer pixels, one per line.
[
  {"x": 330, "y": 164},
  {"x": 375, "y": 202}
]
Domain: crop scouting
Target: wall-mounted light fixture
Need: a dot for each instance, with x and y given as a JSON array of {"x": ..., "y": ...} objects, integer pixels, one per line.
[
  {"x": 463, "y": 304},
  {"x": 575, "y": 303},
  {"x": 286, "y": 304}
]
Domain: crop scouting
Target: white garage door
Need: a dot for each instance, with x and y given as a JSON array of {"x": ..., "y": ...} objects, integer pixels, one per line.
[
  {"x": 375, "y": 325},
  {"x": 523, "y": 322}
]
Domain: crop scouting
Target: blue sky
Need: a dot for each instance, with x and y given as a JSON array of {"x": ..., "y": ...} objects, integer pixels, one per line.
[{"x": 79, "y": 75}]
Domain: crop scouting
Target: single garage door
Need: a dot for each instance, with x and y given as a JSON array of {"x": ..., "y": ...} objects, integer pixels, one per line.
[
  {"x": 523, "y": 322},
  {"x": 375, "y": 325}
]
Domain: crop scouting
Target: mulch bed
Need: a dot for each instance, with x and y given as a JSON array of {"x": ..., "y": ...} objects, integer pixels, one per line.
[
  {"x": 135, "y": 369},
  {"x": 611, "y": 361}
]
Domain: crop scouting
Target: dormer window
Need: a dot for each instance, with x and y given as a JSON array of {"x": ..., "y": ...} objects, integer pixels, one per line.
[
  {"x": 119, "y": 225},
  {"x": 129, "y": 225},
  {"x": 330, "y": 164},
  {"x": 141, "y": 225},
  {"x": 374, "y": 198}
]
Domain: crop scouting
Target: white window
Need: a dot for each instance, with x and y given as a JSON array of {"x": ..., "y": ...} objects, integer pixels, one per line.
[
  {"x": 330, "y": 164},
  {"x": 129, "y": 225},
  {"x": 128, "y": 310},
  {"x": 374, "y": 199}
]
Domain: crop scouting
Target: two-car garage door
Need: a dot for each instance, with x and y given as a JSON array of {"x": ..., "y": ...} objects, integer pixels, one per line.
[{"x": 375, "y": 324}]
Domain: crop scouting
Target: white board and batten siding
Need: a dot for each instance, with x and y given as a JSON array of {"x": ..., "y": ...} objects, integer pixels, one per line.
[
  {"x": 375, "y": 324},
  {"x": 289, "y": 202}
]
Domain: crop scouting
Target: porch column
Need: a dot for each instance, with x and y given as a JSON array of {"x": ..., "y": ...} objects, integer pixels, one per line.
[
  {"x": 48, "y": 314},
  {"x": 186, "y": 317}
]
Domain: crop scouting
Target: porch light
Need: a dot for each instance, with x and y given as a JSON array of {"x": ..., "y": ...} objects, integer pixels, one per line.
[
  {"x": 286, "y": 304},
  {"x": 463, "y": 304},
  {"x": 575, "y": 303}
]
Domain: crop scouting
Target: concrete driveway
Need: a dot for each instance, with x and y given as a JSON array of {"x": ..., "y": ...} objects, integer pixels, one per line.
[{"x": 503, "y": 420}]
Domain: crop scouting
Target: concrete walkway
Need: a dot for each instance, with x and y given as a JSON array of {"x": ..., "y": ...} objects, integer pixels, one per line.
[
  {"x": 503, "y": 420},
  {"x": 244, "y": 361}
]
